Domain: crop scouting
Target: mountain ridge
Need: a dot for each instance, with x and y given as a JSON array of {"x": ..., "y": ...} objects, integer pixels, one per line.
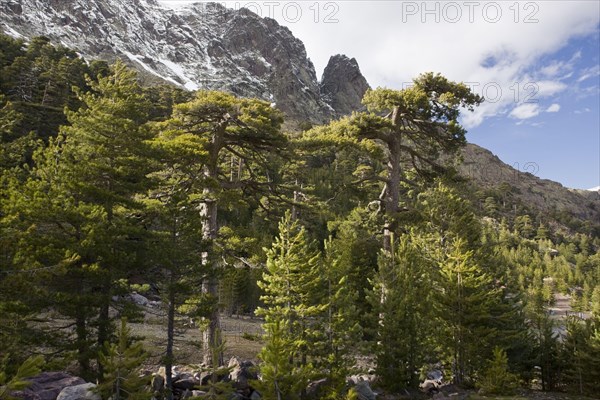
[{"x": 204, "y": 45}]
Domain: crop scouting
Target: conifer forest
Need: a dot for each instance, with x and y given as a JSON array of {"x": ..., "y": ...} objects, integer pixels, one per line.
[{"x": 370, "y": 267}]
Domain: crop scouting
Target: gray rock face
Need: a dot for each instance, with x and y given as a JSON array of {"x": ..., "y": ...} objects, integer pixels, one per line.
[
  {"x": 343, "y": 85},
  {"x": 241, "y": 373},
  {"x": 79, "y": 392},
  {"x": 47, "y": 386},
  {"x": 201, "y": 46}
]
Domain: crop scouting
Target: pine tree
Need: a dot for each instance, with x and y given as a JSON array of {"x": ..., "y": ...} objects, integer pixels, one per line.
[
  {"x": 247, "y": 129},
  {"x": 293, "y": 289},
  {"x": 342, "y": 328},
  {"x": 281, "y": 378},
  {"x": 121, "y": 362},
  {"x": 413, "y": 125},
  {"x": 582, "y": 355},
  {"x": 170, "y": 209},
  {"x": 357, "y": 247},
  {"x": 400, "y": 299},
  {"x": 78, "y": 210},
  {"x": 472, "y": 284},
  {"x": 107, "y": 162},
  {"x": 464, "y": 297},
  {"x": 497, "y": 378}
]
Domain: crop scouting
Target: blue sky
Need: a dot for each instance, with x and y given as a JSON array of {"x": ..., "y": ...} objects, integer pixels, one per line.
[
  {"x": 556, "y": 137},
  {"x": 536, "y": 62}
]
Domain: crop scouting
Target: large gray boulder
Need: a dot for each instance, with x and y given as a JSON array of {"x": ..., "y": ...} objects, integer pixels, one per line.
[
  {"x": 241, "y": 373},
  {"x": 47, "y": 386},
  {"x": 79, "y": 392}
]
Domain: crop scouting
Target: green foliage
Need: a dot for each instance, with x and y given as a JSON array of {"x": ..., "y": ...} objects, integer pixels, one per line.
[
  {"x": 291, "y": 283},
  {"x": 77, "y": 229},
  {"x": 121, "y": 362},
  {"x": 236, "y": 135},
  {"x": 281, "y": 378},
  {"x": 545, "y": 341},
  {"x": 582, "y": 355},
  {"x": 401, "y": 302},
  {"x": 37, "y": 80},
  {"x": 463, "y": 301},
  {"x": 357, "y": 244},
  {"x": 341, "y": 324},
  {"x": 497, "y": 378},
  {"x": 8, "y": 384},
  {"x": 311, "y": 328},
  {"x": 113, "y": 182}
]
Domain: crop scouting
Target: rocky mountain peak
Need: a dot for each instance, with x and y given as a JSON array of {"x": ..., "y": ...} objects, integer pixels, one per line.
[
  {"x": 202, "y": 46},
  {"x": 343, "y": 85}
]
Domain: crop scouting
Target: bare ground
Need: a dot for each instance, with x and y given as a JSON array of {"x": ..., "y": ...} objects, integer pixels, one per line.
[{"x": 241, "y": 334}]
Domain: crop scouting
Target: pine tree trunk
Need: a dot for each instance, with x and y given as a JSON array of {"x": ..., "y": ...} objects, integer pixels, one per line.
[
  {"x": 170, "y": 339},
  {"x": 392, "y": 192},
  {"x": 104, "y": 314},
  {"x": 103, "y": 324},
  {"x": 83, "y": 358},
  {"x": 392, "y": 197},
  {"x": 210, "y": 284}
]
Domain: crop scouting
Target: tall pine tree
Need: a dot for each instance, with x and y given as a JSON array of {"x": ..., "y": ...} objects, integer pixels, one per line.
[{"x": 292, "y": 285}]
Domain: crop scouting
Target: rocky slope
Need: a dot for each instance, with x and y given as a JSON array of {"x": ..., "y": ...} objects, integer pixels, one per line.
[
  {"x": 487, "y": 171},
  {"x": 204, "y": 45}
]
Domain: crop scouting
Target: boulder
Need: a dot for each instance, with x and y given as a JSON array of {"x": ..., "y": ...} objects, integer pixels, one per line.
[
  {"x": 241, "y": 373},
  {"x": 139, "y": 299},
  {"x": 364, "y": 391},
  {"x": 79, "y": 392},
  {"x": 314, "y": 390},
  {"x": 430, "y": 386},
  {"x": 205, "y": 377},
  {"x": 185, "y": 382},
  {"x": 47, "y": 386},
  {"x": 354, "y": 379},
  {"x": 435, "y": 375},
  {"x": 158, "y": 382}
]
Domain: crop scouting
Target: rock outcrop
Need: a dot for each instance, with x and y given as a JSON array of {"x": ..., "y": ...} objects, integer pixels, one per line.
[
  {"x": 47, "y": 386},
  {"x": 79, "y": 392},
  {"x": 343, "y": 85}
]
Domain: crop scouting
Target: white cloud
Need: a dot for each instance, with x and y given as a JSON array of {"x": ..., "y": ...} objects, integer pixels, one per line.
[
  {"x": 590, "y": 72},
  {"x": 525, "y": 111},
  {"x": 549, "y": 88},
  {"x": 555, "y": 107},
  {"x": 553, "y": 69}
]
